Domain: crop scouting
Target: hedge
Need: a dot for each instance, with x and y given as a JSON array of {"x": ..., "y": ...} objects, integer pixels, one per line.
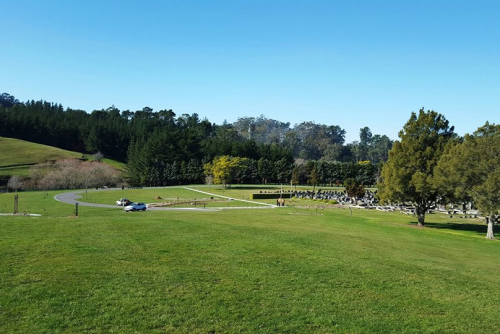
[{"x": 269, "y": 196}]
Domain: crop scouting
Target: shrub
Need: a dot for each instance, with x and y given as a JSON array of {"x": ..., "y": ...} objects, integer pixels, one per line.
[{"x": 267, "y": 196}]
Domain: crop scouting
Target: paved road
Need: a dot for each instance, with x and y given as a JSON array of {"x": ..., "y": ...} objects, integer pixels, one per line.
[{"x": 72, "y": 198}]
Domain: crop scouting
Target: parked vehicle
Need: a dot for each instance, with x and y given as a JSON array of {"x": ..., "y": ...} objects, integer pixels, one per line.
[
  {"x": 123, "y": 202},
  {"x": 385, "y": 208},
  {"x": 135, "y": 207},
  {"x": 362, "y": 206}
]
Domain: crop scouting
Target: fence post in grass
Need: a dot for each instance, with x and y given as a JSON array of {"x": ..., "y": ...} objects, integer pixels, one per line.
[
  {"x": 16, "y": 200},
  {"x": 76, "y": 209}
]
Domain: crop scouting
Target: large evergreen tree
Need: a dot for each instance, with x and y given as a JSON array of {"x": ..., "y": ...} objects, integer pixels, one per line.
[
  {"x": 473, "y": 168},
  {"x": 408, "y": 175}
]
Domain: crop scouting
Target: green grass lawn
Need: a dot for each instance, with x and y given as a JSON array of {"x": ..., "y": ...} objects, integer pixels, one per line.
[
  {"x": 23, "y": 171},
  {"x": 273, "y": 270},
  {"x": 245, "y": 192},
  {"x": 186, "y": 198},
  {"x": 17, "y": 156},
  {"x": 20, "y": 152},
  {"x": 175, "y": 196}
]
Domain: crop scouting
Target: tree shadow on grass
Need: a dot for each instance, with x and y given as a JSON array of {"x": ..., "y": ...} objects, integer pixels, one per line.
[{"x": 455, "y": 226}]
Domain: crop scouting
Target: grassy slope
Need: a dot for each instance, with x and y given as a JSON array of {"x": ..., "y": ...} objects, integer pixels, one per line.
[
  {"x": 20, "y": 152},
  {"x": 276, "y": 270}
]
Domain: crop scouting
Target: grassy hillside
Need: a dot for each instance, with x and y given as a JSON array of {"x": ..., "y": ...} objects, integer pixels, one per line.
[
  {"x": 292, "y": 269},
  {"x": 17, "y": 156}
]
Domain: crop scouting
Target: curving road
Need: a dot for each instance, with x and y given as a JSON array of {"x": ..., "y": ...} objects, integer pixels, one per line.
[{"x": 72, "y": 198}]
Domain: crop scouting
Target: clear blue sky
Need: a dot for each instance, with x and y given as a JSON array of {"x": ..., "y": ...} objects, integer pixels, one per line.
[{"x": 347, "y": 63}]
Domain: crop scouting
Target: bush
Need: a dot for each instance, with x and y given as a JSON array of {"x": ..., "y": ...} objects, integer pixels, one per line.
[{"x": 74, "y": 174}]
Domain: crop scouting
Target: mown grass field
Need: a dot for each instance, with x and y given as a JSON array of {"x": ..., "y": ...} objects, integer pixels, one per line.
[
  {"x": 199, "y": 195},
  {"x": 17, "y": 156},
  {"x": 178, "y": 197},
  {"x": 269, "y": 270}
]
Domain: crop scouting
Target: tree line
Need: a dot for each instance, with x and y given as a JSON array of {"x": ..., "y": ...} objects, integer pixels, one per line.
[
  {"x": 161, "y": 148},
  {"x": 312, "y": 141},
  {"x": 227, "y": 170}
]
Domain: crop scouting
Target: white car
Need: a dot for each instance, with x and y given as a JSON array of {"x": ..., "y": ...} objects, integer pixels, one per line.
[
  {"x": 123, "y": 202},
  {"x": 135, "y": 207},
  {"x": 362, "y": 206}
]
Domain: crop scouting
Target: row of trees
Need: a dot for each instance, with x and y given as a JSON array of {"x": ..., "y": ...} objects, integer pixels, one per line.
[
  {"x": 225, "y": 170},
  {"x": 228, "y": 169},
  {"x": 431, "y": 164},
  {"x": 158, "y": 161},
  {"x": 336, "y": 173},
  {"x": 311, "y": 141},
  {"x": 163, "y": 149},
  {"x": 112, "y": 131}
]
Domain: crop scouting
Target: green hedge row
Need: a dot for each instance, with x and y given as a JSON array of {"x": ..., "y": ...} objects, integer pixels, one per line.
[{"x": 269, "y": 196}]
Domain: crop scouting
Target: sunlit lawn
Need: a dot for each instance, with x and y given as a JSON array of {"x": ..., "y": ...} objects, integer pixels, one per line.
[
  {"x": 18, "y": 156},
  {"x": 212, "y": 196},
  {"x": 19, "y": 171},
  {"x": 175, "y": 196},
  {"x": 270, "y": 270}
]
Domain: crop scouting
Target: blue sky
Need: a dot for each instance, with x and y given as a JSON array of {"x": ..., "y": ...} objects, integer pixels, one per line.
[{"x": 347, "y": 63}]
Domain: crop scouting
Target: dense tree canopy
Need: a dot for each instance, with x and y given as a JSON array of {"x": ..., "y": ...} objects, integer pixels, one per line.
[
  {"x": 223, "y": 169},
  {"x": 7, "y": 100},
  {"x": 408, "y": 175},
  {"x": 472, "y": 168},
  {"x": 161, "y": 148},
  {"x": 312, "y": 141}
]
